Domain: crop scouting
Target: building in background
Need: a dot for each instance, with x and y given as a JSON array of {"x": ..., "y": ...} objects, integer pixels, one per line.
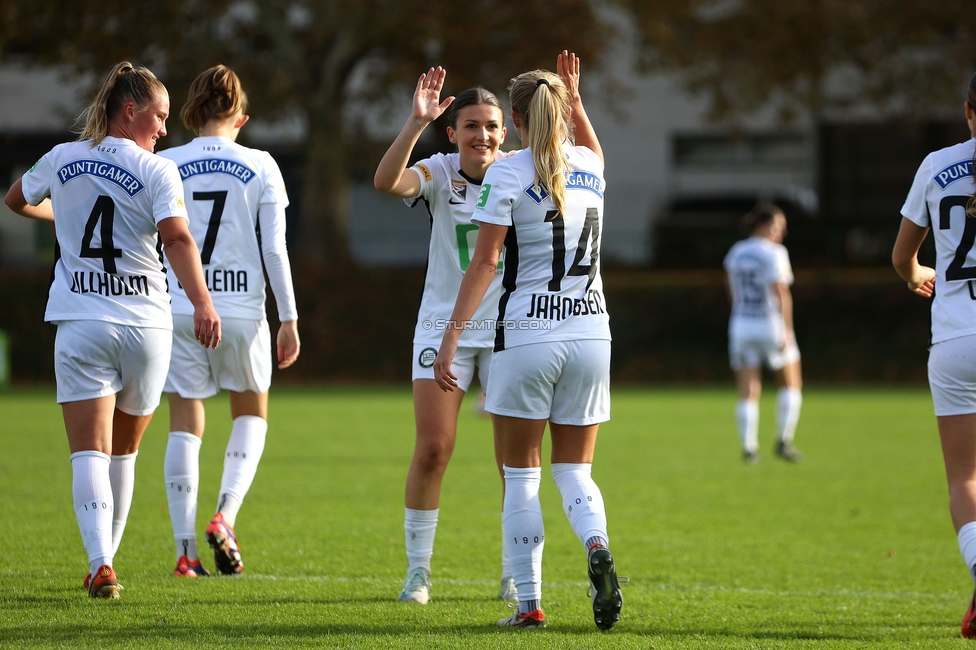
[{"x": 676, "y": 183}]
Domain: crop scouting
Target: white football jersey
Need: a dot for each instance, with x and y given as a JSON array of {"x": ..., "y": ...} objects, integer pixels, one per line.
[
  {"x": 225, "y": 184},
  {"x": 107, "y": 201},
  {"x": 551, "y": 286},
  {"x": 450, "y": 196},
  {"x": 942, "y": 187},
  {"x": 754, "y": 266}
]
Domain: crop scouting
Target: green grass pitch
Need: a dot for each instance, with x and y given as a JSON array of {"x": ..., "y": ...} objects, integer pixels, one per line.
[{"x": 851, "y": 549}]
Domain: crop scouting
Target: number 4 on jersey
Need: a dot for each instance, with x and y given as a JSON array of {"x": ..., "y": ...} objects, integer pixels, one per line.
[
  {"x": 104, "y": 211},
  {"x": 589, "y": 235}
]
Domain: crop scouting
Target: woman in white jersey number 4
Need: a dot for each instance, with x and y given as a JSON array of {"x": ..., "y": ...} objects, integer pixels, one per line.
[
  {"x": 449, "y": 185},
  {"x": 943, "y": 199},
  {"x": 232, "y": 193},
  {"x": 111, "y": 201},
  {"x": 551, "y": 361}
]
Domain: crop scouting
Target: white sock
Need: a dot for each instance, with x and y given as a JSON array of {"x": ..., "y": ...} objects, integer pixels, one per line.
[
  {"x": 967, "y": 546},
  {"x": 181, "y": 472},
  {"x": 241, "y": 460},
  {"x": 419, "y": 527},
  {"x": 524, "y": 531},
  {"x": 506, "y": 562},
  {"x": 122, "y": 475},
  {"x": 582, "y": 501},
  {"x": 747, "y": 421},
  {"x": 788, "y": 403},
  {"x": 91, "y": 490}
]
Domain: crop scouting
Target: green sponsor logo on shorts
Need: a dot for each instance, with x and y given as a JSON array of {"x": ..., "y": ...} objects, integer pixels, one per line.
[{"x": 483, "y": 197}]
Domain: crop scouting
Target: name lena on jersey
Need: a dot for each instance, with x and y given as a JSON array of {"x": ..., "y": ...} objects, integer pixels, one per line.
[
  {"x": 224, "y": 280},
  {"x": 108, "y": 171},
  {"x": 109, "y": 284},
  {"x": 555, "y": 307},
  {"x": 217, "y": 166}
]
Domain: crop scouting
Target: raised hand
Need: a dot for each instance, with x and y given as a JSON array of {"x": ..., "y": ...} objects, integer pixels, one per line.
[
  {"x": 427, "y": 104},
  {"x": 568, "y": 69}
]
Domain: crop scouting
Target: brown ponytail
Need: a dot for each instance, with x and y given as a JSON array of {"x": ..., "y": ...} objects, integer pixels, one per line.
[
  {"x": 216, "y": 93},
  {"x": 123, "y": 84},
  {"x": 542, "y": 101}
]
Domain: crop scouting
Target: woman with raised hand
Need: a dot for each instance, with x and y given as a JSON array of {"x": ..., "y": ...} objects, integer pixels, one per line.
[
  {"x": 551, "y": 361},
  {"x": 943, "y": 199},
  {"x": 449, "y": 186},
  {"x": 117, "y": 208},
  {"x": 236, "y": 200}
]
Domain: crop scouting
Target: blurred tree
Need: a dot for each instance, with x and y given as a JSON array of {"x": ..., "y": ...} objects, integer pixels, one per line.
[
  {"x": 907, "y": 57},
  {"x": 333, "y": 64}
]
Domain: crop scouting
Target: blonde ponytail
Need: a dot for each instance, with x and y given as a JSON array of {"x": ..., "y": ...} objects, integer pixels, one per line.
[
  {"x": 542, "y": 101},
  {"x": 124, "y": 83}
]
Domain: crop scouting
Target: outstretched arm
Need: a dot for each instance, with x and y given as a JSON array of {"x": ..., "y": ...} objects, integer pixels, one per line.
[
  {"x": 427, "y": 107},
  {"x": 568, "y": 68}
]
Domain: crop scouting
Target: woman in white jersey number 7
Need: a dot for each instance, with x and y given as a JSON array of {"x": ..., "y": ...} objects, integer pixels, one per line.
[
  {"x": 943, "y": 199},
  {"x": 551, "y": 361},
  {"x": 232, "y": 193},
  {"x": 449, "y": 185},
  {"x": 116, "y": 208}
]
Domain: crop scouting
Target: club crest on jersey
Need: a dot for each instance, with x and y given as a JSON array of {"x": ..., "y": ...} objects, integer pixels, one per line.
[
  {"x": 585, "y": 181},
  {"x": 954, "y": 172},
  {"x": 537, "y": 192},
  {"x": 108, "y": 171},
  {"x": 217, "y": 166},
  {"x": 426, "y": 358},
  {"x": 459, "y": 189}
]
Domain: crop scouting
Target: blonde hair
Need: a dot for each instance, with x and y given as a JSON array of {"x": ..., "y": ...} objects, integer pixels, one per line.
[
  {"x": 123, "y": 84},
  {"x": 216, "y": 93},
  {"x": 542, "y": 101}
]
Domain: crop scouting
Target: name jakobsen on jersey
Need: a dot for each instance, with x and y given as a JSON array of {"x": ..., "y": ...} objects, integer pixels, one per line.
[
  {"x": 109, "y": 284},
  {"x": 554, "y": 307},
  {"x": 225, "y": 280}
]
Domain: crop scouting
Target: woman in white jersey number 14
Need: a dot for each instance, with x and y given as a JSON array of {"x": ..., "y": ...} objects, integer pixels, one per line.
[
  {"x": 449, "y": 185},
  {"x": 232, "y": 192},
  {"x": 551, "y": 361},
  {"x": 943, "y": 199},
  {"x": 761, "y": 330},
  {"x": 110, "y": 199}
]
